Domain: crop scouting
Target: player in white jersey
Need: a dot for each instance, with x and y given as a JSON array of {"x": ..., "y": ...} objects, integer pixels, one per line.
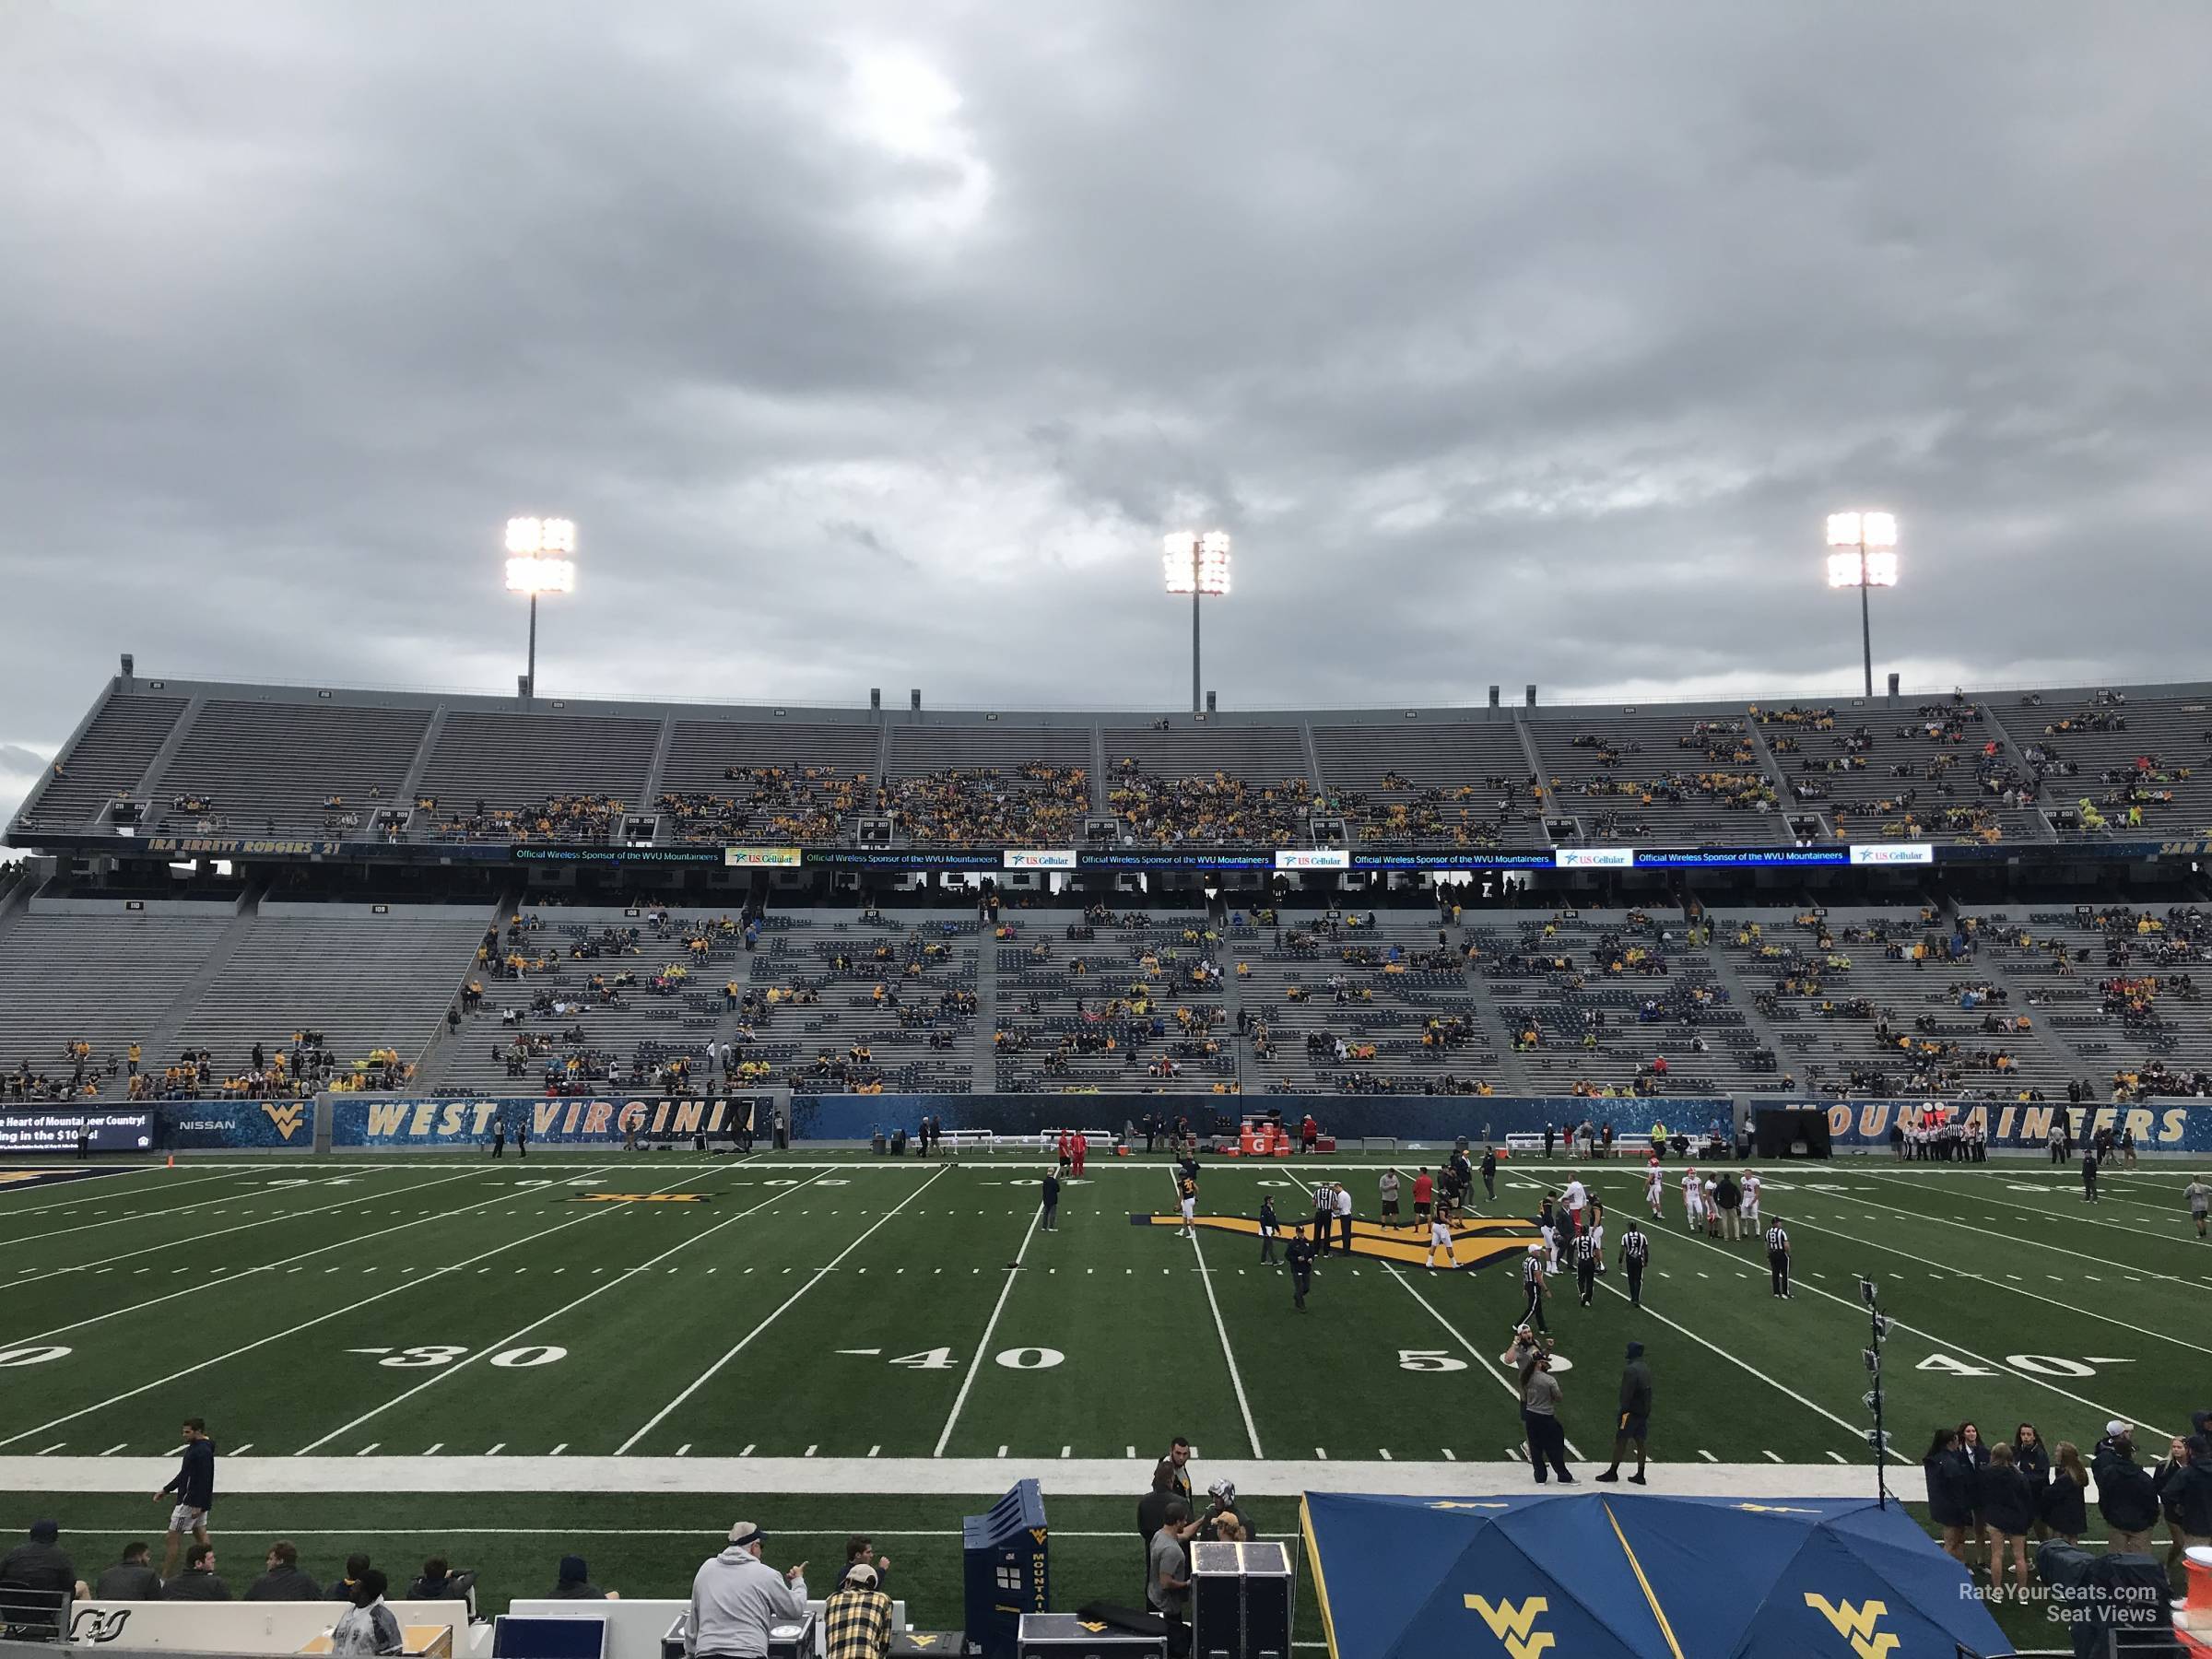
[
  {"x": 1751, "y": 1201},
  {"x": 1710, "y": 1210},
  {"x": 1693, "y": 1201},
  {"x": 1576, "y": 1196},
  {"x": 1655, "y": 1189},
  {"x": 1439, "y": 1238}
]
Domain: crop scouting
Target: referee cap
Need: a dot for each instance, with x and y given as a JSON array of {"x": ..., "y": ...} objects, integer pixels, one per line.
[{"x": 1536, "y": 1250}]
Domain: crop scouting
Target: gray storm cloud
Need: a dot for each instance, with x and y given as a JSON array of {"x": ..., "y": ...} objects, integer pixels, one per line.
[{"x": 878, "y": 345}]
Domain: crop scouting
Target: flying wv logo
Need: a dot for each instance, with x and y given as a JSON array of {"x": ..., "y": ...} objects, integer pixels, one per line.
[
  {"x": 1514, "y": 1624},
  {"x": 286, "y": 1117},
  {"x": 1855, "y": 1624}
]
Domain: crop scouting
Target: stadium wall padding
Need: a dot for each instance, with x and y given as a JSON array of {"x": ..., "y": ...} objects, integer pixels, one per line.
[
  {"x": 237, "y": 1125},
  {"x": 2164, "y": 1125},
  {"x": 1354, "y": 1117},
  {"x": 377, "y": 1122}
]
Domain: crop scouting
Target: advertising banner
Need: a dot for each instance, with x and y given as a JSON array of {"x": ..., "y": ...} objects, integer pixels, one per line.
[
  {"x": 407, "y": 1122},
  {"x": 231, "y": 1125},
  {"x": 1028, "y": 859},
  {"x": 58, "y": 1129},
  {"x": 1892, "y": 853},
  {"x": 1314, "y": 858},
  {"x": 761, "y": 858}
]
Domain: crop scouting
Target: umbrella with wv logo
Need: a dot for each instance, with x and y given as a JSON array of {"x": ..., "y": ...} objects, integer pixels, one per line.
[{"x": 1641, "y": 1576}]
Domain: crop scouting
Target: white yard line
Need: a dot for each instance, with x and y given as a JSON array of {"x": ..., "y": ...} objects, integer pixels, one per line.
[
  {"x": 814, "y": 1278},
  {"x": 1983, "y": 1278},
  {"x": 197, "y": 1240},
  {"x": 1857, "y": 1432},
  {"x": 1950, "y": 1346},
  {"x": 306, "y": 1324},
  {"x": 605, "y": 1285},
  {"x": 83, "y": 1189},
  {"x": 210, "y": 1284},
  {"x": 984, "y": 1478},
  {"x": 1205, "y": 1277},
  {"x": 2046, "y": 1215},
  {"x": 983, "y": 1343}
]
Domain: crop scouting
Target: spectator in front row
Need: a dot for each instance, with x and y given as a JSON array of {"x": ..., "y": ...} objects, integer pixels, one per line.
[
  {"x": 283, "y": 1580},
  {"x": 2126, "y": 1495},
  {"x": 436, "y": 1582},
  {"x": 36, "y": 1577},
  {"x": 197, "y": 1582},
  {"x": 575, "y": 1582},
  {"x": 736, "y": 1596},
  {"x": 856, "y": 1620},
  {"x": 131, "y": 1579},
  {"x": 355, "y": 1565},
  {"x": 369, "y": 1625}
]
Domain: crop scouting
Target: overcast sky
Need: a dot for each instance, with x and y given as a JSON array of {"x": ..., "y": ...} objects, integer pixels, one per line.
[{"x": 878, "y": 345}]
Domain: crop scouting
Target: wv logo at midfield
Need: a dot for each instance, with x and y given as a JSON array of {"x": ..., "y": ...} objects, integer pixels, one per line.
[
  {"x": 1856, "y": 1624},
  {"x": 1514, "y": 1624},
  {"x": 286, "y": 1117}
]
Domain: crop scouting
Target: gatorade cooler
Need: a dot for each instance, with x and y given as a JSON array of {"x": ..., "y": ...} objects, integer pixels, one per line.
[
  {"x": 1007, "y": 1569},
  {"x": 2192, "y": 1623}
]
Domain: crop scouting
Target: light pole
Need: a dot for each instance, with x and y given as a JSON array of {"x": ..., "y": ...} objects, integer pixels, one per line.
[
  {"x": 541, "y": 559},
  {"x": 1197, "y": 565},
  {"x": 1863, "y": 554}
]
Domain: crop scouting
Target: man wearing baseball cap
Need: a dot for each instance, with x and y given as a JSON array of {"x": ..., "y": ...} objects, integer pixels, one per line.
[
  {"x": 736, "y": 1596},
  {"x": 856, "y": 1620},
  {"x": 2126, "y": 1496}
]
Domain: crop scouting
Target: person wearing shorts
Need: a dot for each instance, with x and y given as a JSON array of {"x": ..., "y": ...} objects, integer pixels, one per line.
[
  {"x": 1389, "y": 1197},
  {"x": 1424, "y": 1194},
  {"x": 1439, "y": 1238},
  {"x": 194, "y": 1491},
  {"x": 2200, "y": 1200}
]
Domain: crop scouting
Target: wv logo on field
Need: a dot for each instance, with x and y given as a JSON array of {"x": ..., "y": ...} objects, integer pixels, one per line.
[
  {"x": 1476, "y": 1240},
  {"x": 286, "y": 1117},
  {"x": 1855, "y": 1623},
  {"x": 1514, "y": 1624}
]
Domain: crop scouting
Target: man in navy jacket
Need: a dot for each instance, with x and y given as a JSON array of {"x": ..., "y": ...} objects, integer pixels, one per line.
[{"x": 193, "y": 1490}]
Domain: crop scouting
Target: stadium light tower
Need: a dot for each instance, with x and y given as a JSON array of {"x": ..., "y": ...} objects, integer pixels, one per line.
[
  {"x": 541, "y": 559},
  {"x": 1197, "y": 565},
  {"x": 1863, "y": 554}
]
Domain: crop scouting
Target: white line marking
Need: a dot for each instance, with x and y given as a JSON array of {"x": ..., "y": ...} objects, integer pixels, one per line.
[
  {"x": 305, "y": 1325},
  {"x": 960, "y": 1400},
  {"x": 443, "y": 1372},
  {"x": 704, "y": 1377},
  {"x": 200, "y": 1238},
  {"x": 1251, "y": 1432}
]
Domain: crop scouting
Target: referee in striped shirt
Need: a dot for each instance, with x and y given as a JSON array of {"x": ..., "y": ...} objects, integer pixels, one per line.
[
  {"x": 1587, "y": 1260},
  {"x": 1635, "y": 1255},
  {"x": 1532, "y": 1281},
  {"x": 1777, "y": 1259}
]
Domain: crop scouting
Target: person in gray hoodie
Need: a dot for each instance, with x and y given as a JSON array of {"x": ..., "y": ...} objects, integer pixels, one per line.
[{"x": 736, "y": 1596}]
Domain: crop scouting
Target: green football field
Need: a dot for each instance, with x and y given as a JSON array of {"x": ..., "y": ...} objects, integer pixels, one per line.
[{"x": 607, "y": 1343}]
